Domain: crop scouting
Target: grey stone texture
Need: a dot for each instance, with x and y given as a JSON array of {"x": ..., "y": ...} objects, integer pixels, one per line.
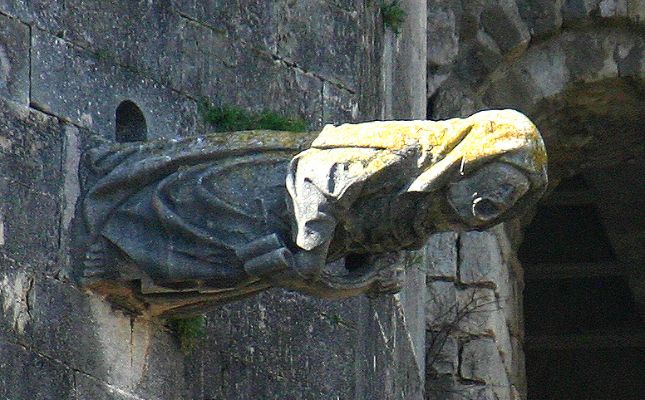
[
  {"x": 14, "y": 60},
  {"x": 474, "y": 319},
  {"x": 64, "y": 68},
  {"x": 87, "y": 88}
]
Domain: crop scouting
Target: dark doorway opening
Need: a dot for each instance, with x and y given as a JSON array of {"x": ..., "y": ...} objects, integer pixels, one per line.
[{"x": 130, "y": 123}]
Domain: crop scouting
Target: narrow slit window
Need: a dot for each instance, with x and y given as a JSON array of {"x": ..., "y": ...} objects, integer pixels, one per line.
[{"x": 130, "y": 123}]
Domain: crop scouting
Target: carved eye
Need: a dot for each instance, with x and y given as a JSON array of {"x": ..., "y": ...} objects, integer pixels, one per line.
[{"x": 485, "y": 209}]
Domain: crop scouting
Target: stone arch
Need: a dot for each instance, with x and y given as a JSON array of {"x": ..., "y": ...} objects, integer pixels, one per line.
[
  {"x": 582, "y": 82},
  {"x": 576, "y": 86},
  {"x": 130, "y": 123}
]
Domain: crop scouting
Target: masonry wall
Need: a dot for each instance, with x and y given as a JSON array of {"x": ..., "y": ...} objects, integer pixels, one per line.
[{"x": 65, "y": 66}]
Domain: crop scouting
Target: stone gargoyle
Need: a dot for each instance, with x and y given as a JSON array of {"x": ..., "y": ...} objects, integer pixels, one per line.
[{"x": 173, "y": 226}]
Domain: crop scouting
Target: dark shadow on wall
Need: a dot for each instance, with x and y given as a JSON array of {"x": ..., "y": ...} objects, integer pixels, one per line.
[{"x": 130, "y": 123}]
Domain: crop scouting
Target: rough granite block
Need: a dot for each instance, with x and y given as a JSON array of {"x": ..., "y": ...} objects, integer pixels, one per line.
[
  {"x": 480, "y": 258},
  {"x": 46, "y": 14},
  {"x": 481, "y": 361},
  {"x": 88, "y": 388},
  {"x": 441, "y": 253},
  {"x": 320, "y": 37},
  {"x": 14, "y": 60},
  {"x": 541, "y": 16},
  {"x": 339, "y": 105},
  {"x": 30, "y": 148},
  {"x": 250, "y": 21},
  {"x": 27, "y": 375},
  {"x": 80, "y": 86},
  {"x": 506, "y": 27},
  {"x": 28, "y": 237}
]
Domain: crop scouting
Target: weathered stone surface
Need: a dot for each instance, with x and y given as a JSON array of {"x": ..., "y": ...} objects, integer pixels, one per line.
[
  {"x": 269, "y": 355},
  {"x": 589, "y": 57},
  {"x": 630, "y": 58},
  {"x": 448, "y": 387},
  {"x": 320, "y": 37},
  {"x": 249, "y": 21},
  {"x": 339, "y": 105},
  {"x": 453, "y": 98},
  {"x": 47, "y": 14},
  {"x": 578, "y": 9},
  {"x": 541, "y": 16},
  {"x": 30, "y": 148},
  {"x": 480, "y": 259},
  {"x": 441, "y": 253},
  {"x": 88, "y": 388},
  {"x": 506, "y": 27},
  {"x": 99, "y": 87},
  {"x": 14, "y": 60},
  {"x": 480, "y": 313},
  {"x": 26, "y": 375},
  {"x": 30, "y": 238},
  {"x": 442, "y": 353},
  {"x": 546, "y": 64},
  {"x": 443, "y": 33},
  {"x": 484, "y": 56},
  {"x": 481, "y": 361},
  {"x": 441, "y": 305}
]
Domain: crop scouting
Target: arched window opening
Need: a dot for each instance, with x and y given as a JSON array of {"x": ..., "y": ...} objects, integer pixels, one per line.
[
  {"x": 130, "y": 123},
  {"x": 582, "y": 322}
]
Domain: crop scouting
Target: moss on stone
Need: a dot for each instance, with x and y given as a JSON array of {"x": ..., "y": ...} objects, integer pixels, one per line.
[
  {"x": 188, "y": 331},
  {"x": 230, "y": 118},
  {"x": 393, "y": 15}
]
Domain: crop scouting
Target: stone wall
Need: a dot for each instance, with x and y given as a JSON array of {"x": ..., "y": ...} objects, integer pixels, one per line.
[
  {"x": 575, "y": 67},
  {"x": 65, "y": 66},
  {"x": 474, "y": 317}
]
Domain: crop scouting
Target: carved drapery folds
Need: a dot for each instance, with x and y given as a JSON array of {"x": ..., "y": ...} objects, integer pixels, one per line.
[{"x": 174, "y": 226}]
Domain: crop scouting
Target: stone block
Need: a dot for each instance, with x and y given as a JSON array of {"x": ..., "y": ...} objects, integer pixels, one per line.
[
  {"x": 448, "y": 387},
  {"x": 339, "y": 105},
  {"x": 30, "y": 148},
  {"x": 320, "y": 37},
  {"x": 98, "y": 87},
  {"x": 441, "y": 255},
  {"x": 68, "y": 325},
  {"x": 517, "y": 374},
  {"x": 89, "y": 388},
  {"x": 630, "y": 58},
  {"x": 480, "y": 361},
  {"x": 46, "y": 14},
  {"x": 29, "y": 237},
  {"x": 14, "y": 60},
  {"x": 27, "y": 375},
  {"x": 130, "y": 33},
  {"x": 480, "y": 259},
  {"x": 441, "y": 304},
  {"x": 251, "y": 21},
  {"x": 16, "y": 299},
  {"x": 589, "y": 57},
  {"x": 578, "y": 9},
  {"x": 541, "y": 16},
  {"x": 504, "y": 25},
  {"x": 259, "y": 82},
  {"x": 261, "y": 347},
  {"x": 479, "y": 312},
  {"x": 454, "y": 99},
  {"x": 516, "y": 89},
  {"x": 443, "y": 34},
  {"x": 483, "y": 57},
  {"x": 442, "y": 356},
  {"x": 158, "y": 362}
]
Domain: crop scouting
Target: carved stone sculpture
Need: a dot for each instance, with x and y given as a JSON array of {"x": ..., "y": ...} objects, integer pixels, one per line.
[{"x": 178, "y": 225}]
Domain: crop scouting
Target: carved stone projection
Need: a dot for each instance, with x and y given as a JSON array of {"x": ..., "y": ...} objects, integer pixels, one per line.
[{"x": 176, "y": 226}]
